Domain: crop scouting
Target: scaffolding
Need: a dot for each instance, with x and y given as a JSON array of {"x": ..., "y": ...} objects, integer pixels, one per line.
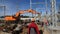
[
  {"x": 53, "y": 12},
  {"x": 45, "y": 3},
  {"x": 3, "y": 10}
]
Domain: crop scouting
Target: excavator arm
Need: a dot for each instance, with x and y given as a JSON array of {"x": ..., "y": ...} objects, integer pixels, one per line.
[
  {"x": 32, "y": 11},
  {"x": 20, "y": 12}
]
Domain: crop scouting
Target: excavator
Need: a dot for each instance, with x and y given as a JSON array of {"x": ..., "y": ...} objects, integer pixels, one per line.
[{"x": 16, "y": 17}]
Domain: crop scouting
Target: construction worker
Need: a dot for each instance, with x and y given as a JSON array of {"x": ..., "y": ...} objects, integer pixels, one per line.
[{"x": 33, "y": 28}]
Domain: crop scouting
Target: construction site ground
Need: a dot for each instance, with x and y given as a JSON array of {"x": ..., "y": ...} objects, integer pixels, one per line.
[{"x": 45, "y": 32}]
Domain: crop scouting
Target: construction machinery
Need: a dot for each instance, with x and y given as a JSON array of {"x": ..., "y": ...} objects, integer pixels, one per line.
[
  {"x": 16, "y": 20},
  {"x": 16, "y": 17}
]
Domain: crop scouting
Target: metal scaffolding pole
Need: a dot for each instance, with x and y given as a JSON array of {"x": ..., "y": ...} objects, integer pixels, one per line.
[
  {"x": 4, "y": 10},
  {"x": 30, "y": 4},
  {"x": 46, "y": 9},
  {"x": 53, "y": 10},
  {"x": 35, "y": 4}
]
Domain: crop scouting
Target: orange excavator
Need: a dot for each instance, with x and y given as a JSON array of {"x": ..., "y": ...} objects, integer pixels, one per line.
[{"x": 16, "y": 18}]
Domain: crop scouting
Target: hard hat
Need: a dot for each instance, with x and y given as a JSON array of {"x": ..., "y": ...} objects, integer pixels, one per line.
[{"x": 33, "y": 19}]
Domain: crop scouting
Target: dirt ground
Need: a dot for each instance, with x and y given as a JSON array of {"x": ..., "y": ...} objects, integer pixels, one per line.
[
  {"x": 45, "y": 32},
  {"x": 4, "y": 32}
]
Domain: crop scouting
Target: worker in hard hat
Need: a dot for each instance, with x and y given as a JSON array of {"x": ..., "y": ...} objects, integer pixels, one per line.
[{"x": 33, "y": 28}]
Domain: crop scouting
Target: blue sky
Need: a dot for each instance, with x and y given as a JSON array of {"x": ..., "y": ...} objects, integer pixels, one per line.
[{"x": 12, "y": 6}]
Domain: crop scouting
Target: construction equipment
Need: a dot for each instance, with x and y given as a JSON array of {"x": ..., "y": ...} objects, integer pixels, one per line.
[{"x": 16, "y": 18}]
